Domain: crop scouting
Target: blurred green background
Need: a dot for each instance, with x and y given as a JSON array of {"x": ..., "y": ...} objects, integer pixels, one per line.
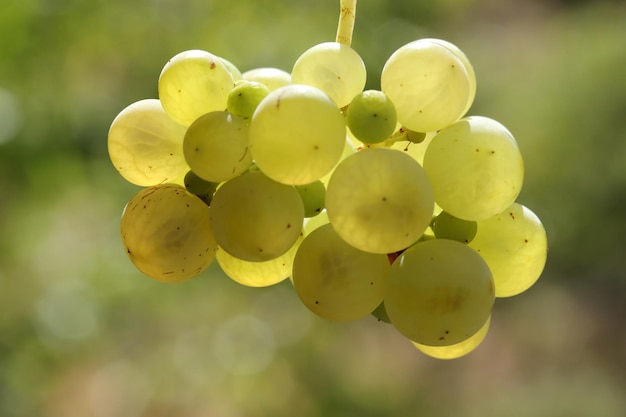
[{"x": 82, "y": 333}]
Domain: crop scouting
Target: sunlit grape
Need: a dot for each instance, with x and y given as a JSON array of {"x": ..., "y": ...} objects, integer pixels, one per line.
[
  {"x": 371, "y": 116},
  {"x": 272, "y": 78},
  {"x": 145, "y": 145},
  {"x": 379, "y": 200},
  {"x": 456, "y": 350}
]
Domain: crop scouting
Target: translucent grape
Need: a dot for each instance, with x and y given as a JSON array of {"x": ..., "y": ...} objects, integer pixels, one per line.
[
  {"x": 446, "y": 226},
  {"x": 456, "y": 350},
  {"x": 216, "y": 146},
  {"x": 439, "y": 292},
  {"x": 515, "y": 246},
  {"x": 145, "y": 145},
  {"x": 272, "y": 78},
  {"x": 232, "y": 68},
  {"x": 475, "y": 167},
  {"x": 335, "y": 280},
  {"x": 193, "y": 83},
  {"x": 334, "y": 68},
  {"x": 245, "y": 97},
  {"x": 297, "y": 134},
  {"x": 313, "y": 197},
  {"x": 371, "y": 116},
  {"x": 379, "y": 200},
  {"x": 471, "y": 74},
  {"x": 312, "y": 223},
  {"x": 348, "y": 149},
  {"x": 428, "y": 85},
  {"x": 255, "y": 218},
  {"x": 258, "y": 274},
  {"x": 166, "y": 233}
]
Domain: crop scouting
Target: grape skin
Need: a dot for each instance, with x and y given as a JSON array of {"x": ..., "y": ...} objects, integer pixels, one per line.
[
  {"x": 379, "y": 200},
  {"x": 166, "y": 233},
  {"x": 335, "y": 280},
  {"x": 255, "y": 218},
  {"x": 439, "y": 292},
  {"x": 145, "y": 145}
]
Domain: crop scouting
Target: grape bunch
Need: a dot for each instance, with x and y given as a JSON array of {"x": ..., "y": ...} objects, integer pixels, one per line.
[{"x": 392, "y": 202}]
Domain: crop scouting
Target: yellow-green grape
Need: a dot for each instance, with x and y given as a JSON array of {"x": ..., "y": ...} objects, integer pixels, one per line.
[
  {"x": 145, "y": 145},
  {"x": 371, "y": 116},
  {"x": 428, "y": 85},
  {"x": 446, "y": 226},
  {"x": 379, "y": 200},
  {"x": 216, "y": 146},
  {"x": 193, "y": 83},
  {"x": 456, "y": 350},
  {"x": 335, "y": 280},
  {"x": 439, "y": 292},
  {"x": 199, "y": 187},
  {"x": 468, "y": 67},
  {"x": 255, "y": 218},
  {"x": 245, "y": 97},
  {"x": 515, "y": 246},
  {"x": 166, "y": 233},
  {"x": 313, "y": 197},
  {"x": 475, "y": 167},
  {"x": 258, "y": 274},
  {"x": 273, "y": 78},
  {"x": 232, "y": 68},
  {"x": 334, "y": 68},
  {"x": 297, "y": 134}
]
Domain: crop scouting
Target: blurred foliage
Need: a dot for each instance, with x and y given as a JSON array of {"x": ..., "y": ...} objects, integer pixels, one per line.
[{"x": 82, "y": 333}]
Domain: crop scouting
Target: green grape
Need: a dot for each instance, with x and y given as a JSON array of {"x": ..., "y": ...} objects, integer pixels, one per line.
[
  {"x": 379, "y": 200},
  {"x": 439, "y": 292},
  {"x": 515, "y": 246},
  {"x": 199, "y": 187},
  {"x": 335, "y": 280},
  {"x": 255, "y": 218},
  {"x": 297, "y": 134},
  {"x": 313, "y": 197},
  {"x": 428, "y": 85},
  {"x": 145, "y": 145},
  {"x": 216, "y": 146},
  {"x": 193, "y": 83},
  {"x": 475, "y": 167},
  {"x": 272, "y": 78},
  {"x": 446, "y": 226},
  {"x": 371, "y": 116},
  {"x": 456, "y": 350},
  {"x": 334, "y": 68},
  {"x": 245, "y": 97},
  {"x": 258, "y": 274},
  {"x": 166, "y": 233},
  {"x": 468, "y": 67}
]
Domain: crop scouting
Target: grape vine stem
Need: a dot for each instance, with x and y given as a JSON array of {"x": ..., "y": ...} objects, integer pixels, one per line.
[{"x": 347, "y": 15}]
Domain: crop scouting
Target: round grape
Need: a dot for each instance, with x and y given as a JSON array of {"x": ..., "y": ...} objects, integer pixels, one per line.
[
  {"x": 245, "y": 97},
  {"x": 371, "y": 116}
]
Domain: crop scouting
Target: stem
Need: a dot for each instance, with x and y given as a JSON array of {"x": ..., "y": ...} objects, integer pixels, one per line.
[{"x": 347, "y": 14}]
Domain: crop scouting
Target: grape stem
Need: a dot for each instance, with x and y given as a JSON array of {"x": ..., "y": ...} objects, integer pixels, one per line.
[{"x": 347, "y": 15}]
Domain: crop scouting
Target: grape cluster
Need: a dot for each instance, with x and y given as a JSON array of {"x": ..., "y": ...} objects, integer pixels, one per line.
[{"x": 390, "y": 202}]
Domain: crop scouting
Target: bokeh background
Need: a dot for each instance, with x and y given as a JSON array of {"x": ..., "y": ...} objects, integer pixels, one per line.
[{"x": 82, "y": 333}]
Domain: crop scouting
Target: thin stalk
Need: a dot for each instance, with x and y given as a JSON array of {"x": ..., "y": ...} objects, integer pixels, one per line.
[{"x": 347, "y": 15}]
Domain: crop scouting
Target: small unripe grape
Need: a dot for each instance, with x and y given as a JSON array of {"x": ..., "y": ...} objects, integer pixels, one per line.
[
  {"x": 200, "y": 187},
  {"x": 371, "y": 116},
  {"x": 245, "y": 97}
]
